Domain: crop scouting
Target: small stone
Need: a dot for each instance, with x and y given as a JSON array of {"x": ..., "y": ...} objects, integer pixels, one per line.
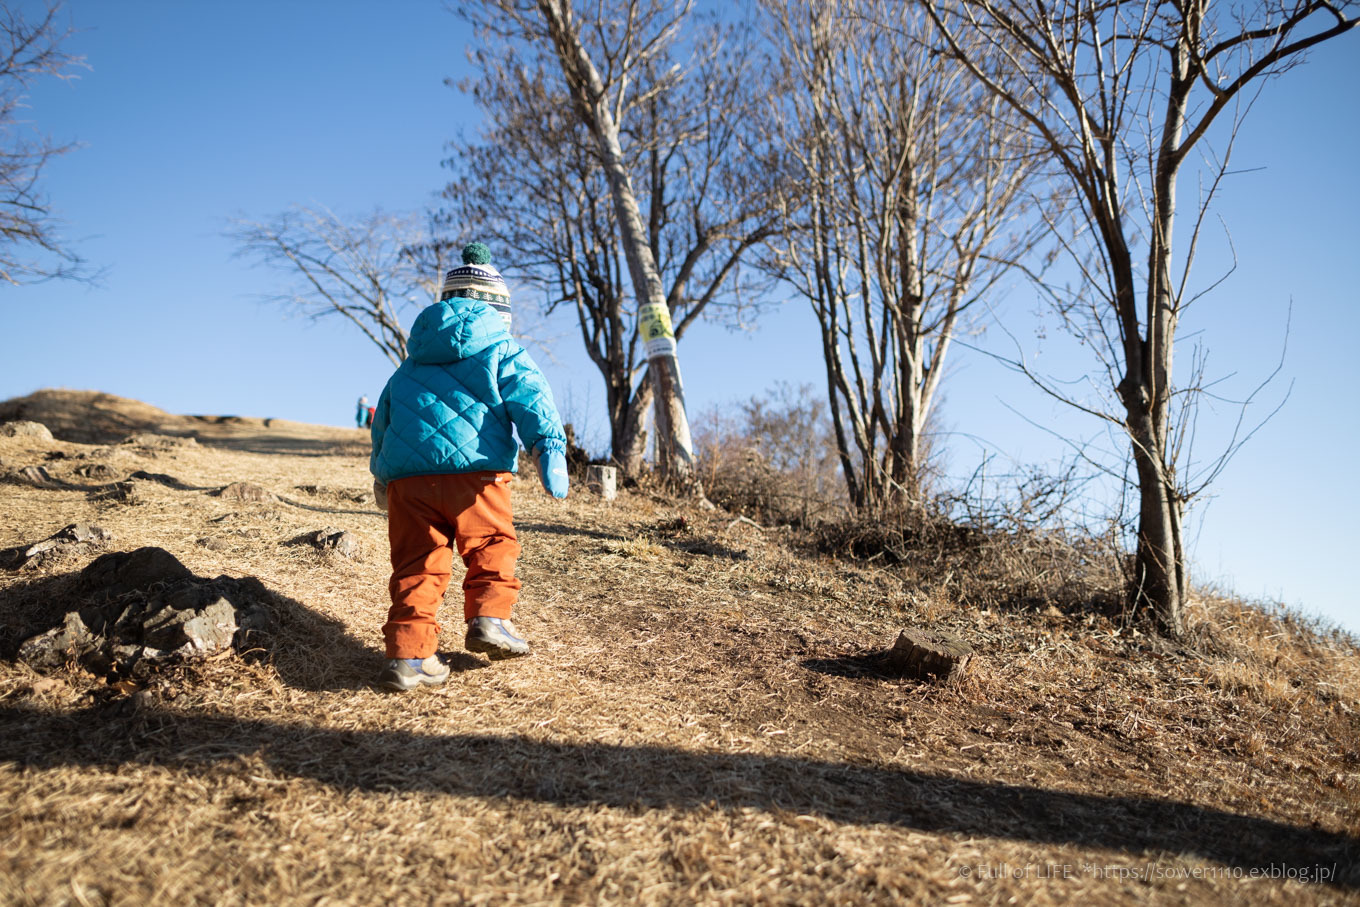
[
  {"x": 337, "y": 540},
  {"x": 126, "y": 654},
  {"x": 158, "y": 442},
  {"x": 53, "y": 648},
  {"x": 200, "y": 629},
  {"x": 119, "y": 492},
  {"x": 101, "y": 472},
  {"x": 245, "y": 491},
  {"x": 74, "y": 538},
  {"x": 84, "y": 532},
  {"x": 25, "y": 429},
  {"x": 35, "y": 475},
  {"x": 213, "y": 628}
]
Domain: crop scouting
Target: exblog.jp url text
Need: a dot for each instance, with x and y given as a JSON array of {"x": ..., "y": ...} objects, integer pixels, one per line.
[{"x": 1145, "y": 872}]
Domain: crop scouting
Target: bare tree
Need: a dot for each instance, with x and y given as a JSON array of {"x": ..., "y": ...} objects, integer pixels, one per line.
[
  {"x": 902, "y": 213},
  {"x": 367, "y": 271},
  {"x": 30, "y": 248},
  {"x": 534, "y": 183},
  {"x": 602, "y": 60},
  {"x": 1119, "y": 94}
]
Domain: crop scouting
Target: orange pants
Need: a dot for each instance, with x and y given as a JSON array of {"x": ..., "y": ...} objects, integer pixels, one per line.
[{"x": 425, "y": 514}]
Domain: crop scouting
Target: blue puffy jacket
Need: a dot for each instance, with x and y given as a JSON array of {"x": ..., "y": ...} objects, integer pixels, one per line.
[{"x": 450, "y": 406}]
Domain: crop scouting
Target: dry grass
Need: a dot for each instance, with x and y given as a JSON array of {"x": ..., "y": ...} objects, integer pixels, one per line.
[{"x": 703, "y": 720}]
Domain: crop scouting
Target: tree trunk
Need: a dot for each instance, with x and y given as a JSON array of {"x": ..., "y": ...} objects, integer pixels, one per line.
[
  {"x": 675, "y": 449},
  {"x": 629, "y": 442},
  {"x": 1158, "y": 568}
]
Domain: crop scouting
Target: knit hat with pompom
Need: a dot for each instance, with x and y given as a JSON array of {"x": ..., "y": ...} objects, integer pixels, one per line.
[{"x": 478, "y": 279}]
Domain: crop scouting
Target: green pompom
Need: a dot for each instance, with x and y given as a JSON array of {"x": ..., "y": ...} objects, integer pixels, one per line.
[{"x": 475, "y": 253}]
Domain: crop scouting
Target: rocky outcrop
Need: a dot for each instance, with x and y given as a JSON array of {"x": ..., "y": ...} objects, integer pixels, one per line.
[{"x": 136, "y": 608}]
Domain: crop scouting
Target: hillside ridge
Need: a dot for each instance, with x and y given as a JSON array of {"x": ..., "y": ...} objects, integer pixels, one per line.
[{"x": 705, "y": 717}]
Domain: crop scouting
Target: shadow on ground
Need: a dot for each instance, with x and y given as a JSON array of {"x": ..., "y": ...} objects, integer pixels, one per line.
[
  {"x": 563, "y": 529},
  {"x": 308, "y": 650},
  {"x": 590, "y": 774},
  {"x": 287, "y": 445},
  {"x": 874, "y": 663}
]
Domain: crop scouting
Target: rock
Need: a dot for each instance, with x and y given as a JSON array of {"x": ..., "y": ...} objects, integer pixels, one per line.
[
  {"x": 121, "y": 573},
  {"x": 144, "y": 606},
  {"x": 126, "y": 654},
  {"x": 158, "y": 442},
  {"x": 337, "y": 540},
  {"x": 24, "y": 429},
  {"x": 54, "y": 648},
  {"x": 77, "y": 538},
  {"x": 101, "y": 472},
  {"x": 82, "y": 532},
  {"x": 117, "y": 492},
  {"x": 213, "y": 628},
  {"x": 74, "y": 534},
  {"x": 244, "y": 491},
  {"x": 188, "y": 624},
  {"x": 34, "y": 475}
]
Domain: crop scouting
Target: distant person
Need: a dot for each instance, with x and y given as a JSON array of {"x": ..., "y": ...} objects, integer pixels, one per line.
[
  {"x": 362, "y": 412},
  {"x": 368, "y": 421},
  {"x": 443, "y": 458}
]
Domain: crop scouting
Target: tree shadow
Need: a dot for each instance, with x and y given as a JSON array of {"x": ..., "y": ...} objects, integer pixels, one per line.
[
  {"x": 288, "y": 446},
  {"x": 310, "y": 650},
  {"x": 707, "y": 547},
  {"x": 873, "y": 663},
  {"x": 561, "y": 529},
  {"x": 650, "y": 777}
]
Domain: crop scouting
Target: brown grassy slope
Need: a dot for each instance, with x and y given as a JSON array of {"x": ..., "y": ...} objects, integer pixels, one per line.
[
  {"x": 701, "y": 721},
  {"x": 92, "y": 417}
]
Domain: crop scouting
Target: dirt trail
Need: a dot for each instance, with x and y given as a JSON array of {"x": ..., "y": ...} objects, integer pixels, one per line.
[{"x": 701, "y": 721}]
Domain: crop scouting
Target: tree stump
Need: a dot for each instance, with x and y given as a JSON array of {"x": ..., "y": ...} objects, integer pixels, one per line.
[
  {"x": 930, "y": 656},
  {"x": 603, "y": 480}
]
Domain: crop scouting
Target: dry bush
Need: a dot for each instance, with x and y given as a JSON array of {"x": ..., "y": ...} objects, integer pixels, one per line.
[
  {"x": 998, "y": 543},
  {"x": 1019, "y": 569},
  {"x": 1270, "y": 653},
  {"x": 774, "y": 461}
]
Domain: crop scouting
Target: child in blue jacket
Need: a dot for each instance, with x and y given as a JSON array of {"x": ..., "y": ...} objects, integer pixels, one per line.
[{"x": 443, "y": 458}]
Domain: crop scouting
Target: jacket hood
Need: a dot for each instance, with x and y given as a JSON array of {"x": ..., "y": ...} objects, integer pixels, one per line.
[{"x": 453, "y": 330}]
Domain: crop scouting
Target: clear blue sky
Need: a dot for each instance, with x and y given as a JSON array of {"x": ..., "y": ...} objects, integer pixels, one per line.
[{"x": 192, "y": 113}]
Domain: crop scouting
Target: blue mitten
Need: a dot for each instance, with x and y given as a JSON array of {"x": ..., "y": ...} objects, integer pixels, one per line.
[{"x": 552, "y": 470}]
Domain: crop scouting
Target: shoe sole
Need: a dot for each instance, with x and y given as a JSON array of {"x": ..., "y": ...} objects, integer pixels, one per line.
[{"x": 491, "y": 650}]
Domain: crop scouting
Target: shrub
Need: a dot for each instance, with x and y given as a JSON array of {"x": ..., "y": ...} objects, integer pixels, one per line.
[{"x": 775, "y": 460}]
